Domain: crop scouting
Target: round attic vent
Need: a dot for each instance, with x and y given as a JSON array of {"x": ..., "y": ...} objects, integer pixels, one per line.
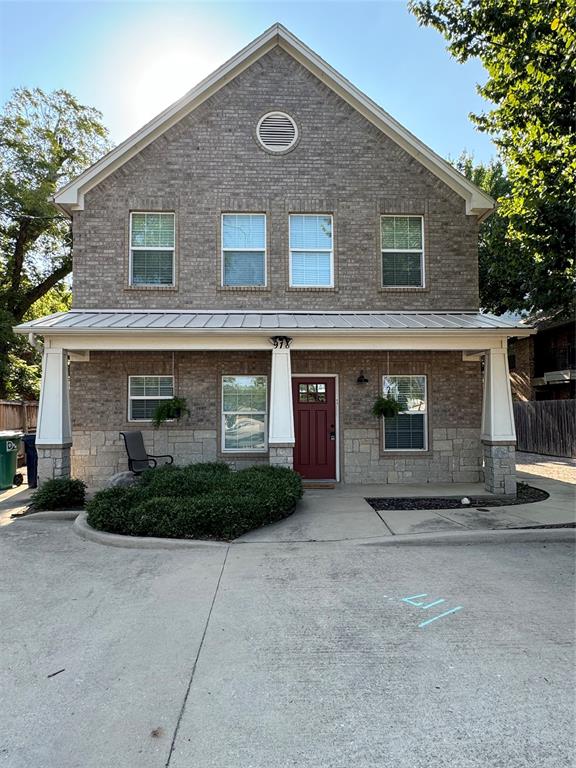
[{"x": 277, "y": 132}]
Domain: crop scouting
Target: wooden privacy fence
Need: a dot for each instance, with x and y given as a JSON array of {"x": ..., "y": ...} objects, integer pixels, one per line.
[
  {"x": 546, "y": 426},
  {"x": 18, "y": 415}
]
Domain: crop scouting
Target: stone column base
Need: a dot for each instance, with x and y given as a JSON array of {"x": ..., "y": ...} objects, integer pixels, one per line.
[
  {"x": 500, "y": 468},
  {"x": 281, "y": 456},
  {"x": 53, "y": 461}
]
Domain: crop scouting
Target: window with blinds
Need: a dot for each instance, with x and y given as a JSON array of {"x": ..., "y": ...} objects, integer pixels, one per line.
[
  {"x": 145, "y": 393},
  {"x": 243, "y": 249},
  {"x": 311, "y": 251},
  {"x": 402, "y": 251},
  {"x": 408, "y": 430},
  {"x": 152, "y": 249}
]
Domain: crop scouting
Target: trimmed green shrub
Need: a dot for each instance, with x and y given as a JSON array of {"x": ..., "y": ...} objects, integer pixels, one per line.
[
  {"x": 59, "y": 493},
  {"x": 200, "y": 501}
]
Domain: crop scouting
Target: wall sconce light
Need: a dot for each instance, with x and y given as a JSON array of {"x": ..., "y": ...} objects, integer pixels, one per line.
[{"x": 361, "y": 378}]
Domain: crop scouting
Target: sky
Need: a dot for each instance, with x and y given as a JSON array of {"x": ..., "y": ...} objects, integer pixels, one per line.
[{"x": 132, "y": 59}]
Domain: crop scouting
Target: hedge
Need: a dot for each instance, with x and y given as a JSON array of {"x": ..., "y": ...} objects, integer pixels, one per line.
[
  {"x": 200, "y": 501},
  {"x": 59, "y": 493}
]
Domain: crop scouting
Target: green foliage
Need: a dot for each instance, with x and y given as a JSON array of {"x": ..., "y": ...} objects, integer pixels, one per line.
[
  {"x": 23, "y": 364},
  {"x": 505, "y": 267},
  {"x": 174, "y": 408},
  {"x": 200, "y": 501},
  {"x": 45, "y": 140},
  {"x": 59, "y": 493},
  {"x": 529, "y": 50},
  {"x": 387, "y": 407}
]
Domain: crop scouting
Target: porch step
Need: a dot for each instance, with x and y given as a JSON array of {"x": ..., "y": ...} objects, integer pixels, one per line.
[{"x": 310, "y": 485}]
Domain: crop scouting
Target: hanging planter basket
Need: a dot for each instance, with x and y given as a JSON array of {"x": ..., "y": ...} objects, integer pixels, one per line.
[
  {"x": 170, "y": 410},
  {"x": 386, "y": 407}
]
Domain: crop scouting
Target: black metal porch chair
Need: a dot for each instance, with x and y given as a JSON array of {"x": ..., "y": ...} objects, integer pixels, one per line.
[{"x": 138, "y": 458}]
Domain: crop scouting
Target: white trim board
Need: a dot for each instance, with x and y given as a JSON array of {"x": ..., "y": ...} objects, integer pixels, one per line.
[
  {"x": 416, "y": 342},
  {"x": 71, "y": 196}
]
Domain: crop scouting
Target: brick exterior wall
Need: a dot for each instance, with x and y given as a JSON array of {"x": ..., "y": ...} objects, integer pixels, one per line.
[
  {"x": 99, "y": 403},
  {"x": 210, "y": 163}
]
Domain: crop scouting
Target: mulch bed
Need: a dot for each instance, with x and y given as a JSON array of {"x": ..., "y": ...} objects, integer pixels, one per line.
[{"x": 526, "y": 494}]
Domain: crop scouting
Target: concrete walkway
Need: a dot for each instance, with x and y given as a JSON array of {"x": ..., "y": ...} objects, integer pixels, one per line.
[{"x": 342, "y": 513}]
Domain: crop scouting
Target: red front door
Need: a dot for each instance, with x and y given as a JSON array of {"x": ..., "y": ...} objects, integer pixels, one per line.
[{"x": 315, "y": 427}]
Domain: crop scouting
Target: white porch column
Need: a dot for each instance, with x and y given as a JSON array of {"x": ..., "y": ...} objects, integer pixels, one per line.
[
  {"x": 53, "y": 431},
  {"x": 281, "y": 426},
  {"x": 498, "y": 430}
]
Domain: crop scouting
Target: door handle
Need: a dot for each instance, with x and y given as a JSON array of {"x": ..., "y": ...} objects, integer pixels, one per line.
[{"x": 332, "y": 435}]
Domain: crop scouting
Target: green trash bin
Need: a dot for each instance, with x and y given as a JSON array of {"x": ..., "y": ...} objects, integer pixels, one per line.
[{"x": 9, "y": 448}]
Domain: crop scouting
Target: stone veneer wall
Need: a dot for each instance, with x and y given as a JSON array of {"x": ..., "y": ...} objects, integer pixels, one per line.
[
  {"x": 53, "y": 462},
  {"x": 500, "y": 468},
  {"x": 99, "y": 412}
]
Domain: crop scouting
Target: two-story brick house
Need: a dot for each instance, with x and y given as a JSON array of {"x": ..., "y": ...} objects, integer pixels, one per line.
[{"x": 278, "y": 250}]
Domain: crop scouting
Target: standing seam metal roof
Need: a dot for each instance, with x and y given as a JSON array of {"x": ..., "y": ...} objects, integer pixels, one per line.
[{"x": 137, "y": 320}]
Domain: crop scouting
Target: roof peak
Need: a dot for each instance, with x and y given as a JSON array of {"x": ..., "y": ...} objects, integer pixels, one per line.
[{"x": 71, "y": 196}]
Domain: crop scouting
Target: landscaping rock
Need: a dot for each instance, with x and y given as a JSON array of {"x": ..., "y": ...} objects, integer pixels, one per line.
[{"x": 122, "y": 480}]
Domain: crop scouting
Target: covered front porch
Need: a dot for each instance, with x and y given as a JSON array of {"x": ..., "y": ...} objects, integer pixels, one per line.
[{"x": 319, "y": 374}]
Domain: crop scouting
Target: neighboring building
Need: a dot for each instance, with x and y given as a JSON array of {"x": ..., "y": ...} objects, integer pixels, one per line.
[
  {"x": 278, "y": 250},
  {"x": 543, "y": 367}
]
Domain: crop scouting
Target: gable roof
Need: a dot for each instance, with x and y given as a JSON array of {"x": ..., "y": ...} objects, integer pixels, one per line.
[{"x": 71, "y": 196}]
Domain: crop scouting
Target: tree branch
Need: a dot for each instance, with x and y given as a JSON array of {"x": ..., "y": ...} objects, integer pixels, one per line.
[{"x": 39, "y": 290}]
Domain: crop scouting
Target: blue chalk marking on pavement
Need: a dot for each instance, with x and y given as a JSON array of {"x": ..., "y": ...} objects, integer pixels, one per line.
[
  {"x": 436, "y": 602},
  {"x": 452, "y": 610},
  {"x": 412, "y": 598}
]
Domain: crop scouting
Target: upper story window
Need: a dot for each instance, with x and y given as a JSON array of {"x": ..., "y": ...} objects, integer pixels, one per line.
[
  {"x": 311, "y": 251},
  {"x": 408, "y": 430},
  {"x": 243, "y": 249},
  {"x": 402, "y": 251},
  {"x": 152, "y": 249}
]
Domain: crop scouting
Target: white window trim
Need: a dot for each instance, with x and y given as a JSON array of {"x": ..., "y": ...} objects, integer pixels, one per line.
[
  {"x": 223, "y": 413},
  {"x": 147, "y": 397},
  {"x": 403, "y": 250},
  {"x": 131, "y": 248},
  {"x": 424, "y": 413},
  {"x": 248, "y": 250},
  {"x": 308, "y": 250}
]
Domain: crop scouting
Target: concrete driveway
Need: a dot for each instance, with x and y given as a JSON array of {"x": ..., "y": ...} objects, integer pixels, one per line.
[{"x": 276, "y": 654}]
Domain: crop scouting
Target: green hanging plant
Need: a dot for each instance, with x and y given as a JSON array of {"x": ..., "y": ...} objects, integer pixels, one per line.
[
  {"x": 387, "y": 407},
  {"x": 170, "y": 410}
]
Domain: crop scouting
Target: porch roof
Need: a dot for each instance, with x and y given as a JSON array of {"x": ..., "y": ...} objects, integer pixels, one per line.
[{"x": 108, "y": 321}]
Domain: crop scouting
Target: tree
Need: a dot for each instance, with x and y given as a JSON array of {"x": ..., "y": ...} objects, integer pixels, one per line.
[
  {"x": 45, "y": 140},
  {"x": 528, "y": 48},
  {"x": 505, "y": 266},
  {"x": 25, "y": 361}
]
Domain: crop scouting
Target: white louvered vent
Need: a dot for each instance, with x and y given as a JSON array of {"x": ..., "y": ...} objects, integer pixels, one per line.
[{"x": 277, "y": 132}]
